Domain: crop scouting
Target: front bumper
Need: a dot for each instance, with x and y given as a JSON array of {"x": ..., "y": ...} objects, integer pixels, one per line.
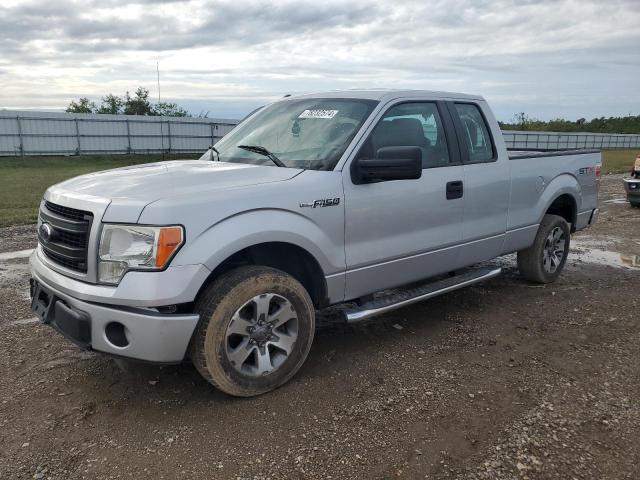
[
  {"x": 136, "y": 332},
  {"x": 632, "y": 187}
]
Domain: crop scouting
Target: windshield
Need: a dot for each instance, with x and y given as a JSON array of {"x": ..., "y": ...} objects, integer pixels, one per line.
[{"x": 307, "y": 133}]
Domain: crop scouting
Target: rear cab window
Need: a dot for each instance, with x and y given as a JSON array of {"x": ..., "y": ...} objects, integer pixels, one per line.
[{"x": 475, "y": 132}]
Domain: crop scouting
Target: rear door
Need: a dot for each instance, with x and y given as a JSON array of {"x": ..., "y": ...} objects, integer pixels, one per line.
[
  {"x": 486, "y": 182},
  {"x": 400, "y": 231}
]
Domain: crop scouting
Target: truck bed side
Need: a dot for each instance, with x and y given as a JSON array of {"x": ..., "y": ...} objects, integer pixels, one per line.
[{"x": 540, "y": 178}]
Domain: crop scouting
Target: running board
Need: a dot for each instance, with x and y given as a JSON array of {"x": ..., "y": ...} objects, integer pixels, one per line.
[{"x": 392, "y": 301}]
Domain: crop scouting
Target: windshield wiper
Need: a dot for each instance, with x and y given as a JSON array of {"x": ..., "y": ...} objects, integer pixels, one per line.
[
  {"x": 263, "y": 151},
  {"x": 214, "y": 149}
]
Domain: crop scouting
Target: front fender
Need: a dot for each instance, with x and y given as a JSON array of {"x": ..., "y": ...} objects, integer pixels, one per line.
[{"x": 249, "y": 228}]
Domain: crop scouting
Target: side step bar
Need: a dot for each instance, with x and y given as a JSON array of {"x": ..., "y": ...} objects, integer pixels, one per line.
[{"x": 392, "y": 301}]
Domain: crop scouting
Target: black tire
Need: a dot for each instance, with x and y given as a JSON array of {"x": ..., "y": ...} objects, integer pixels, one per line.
[
  {"x": 534, "y": 263},
  {"x": 228, "y": 296}
]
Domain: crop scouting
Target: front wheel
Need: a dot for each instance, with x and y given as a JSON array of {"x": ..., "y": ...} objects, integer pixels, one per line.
[
  {"x": 545, "y": 259},
  {"x": 255, "y": 331}
]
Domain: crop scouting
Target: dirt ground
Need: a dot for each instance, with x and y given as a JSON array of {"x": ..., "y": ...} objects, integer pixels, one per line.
[{"x": 505, "y": 380}]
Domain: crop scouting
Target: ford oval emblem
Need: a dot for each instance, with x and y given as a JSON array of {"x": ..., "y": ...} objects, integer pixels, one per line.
[{"x": 46, "y": 232}]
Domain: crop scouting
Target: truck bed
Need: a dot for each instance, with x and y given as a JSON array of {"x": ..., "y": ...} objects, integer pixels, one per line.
[{"x": 534, "y": 183}]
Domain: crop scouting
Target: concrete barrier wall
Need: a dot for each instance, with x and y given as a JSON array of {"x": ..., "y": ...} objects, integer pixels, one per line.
[
  {"x": 47, "y": 133},
  {"x": 517, "y": 140}
]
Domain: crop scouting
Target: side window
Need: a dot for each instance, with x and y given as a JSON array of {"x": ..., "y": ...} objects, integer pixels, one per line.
[
  {"x": 411, "y": 125},
  {"x": 476, "y": 133}
]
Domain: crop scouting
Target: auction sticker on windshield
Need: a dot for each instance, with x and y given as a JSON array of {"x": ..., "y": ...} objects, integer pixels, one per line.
[{"x": 318, "y": 114}]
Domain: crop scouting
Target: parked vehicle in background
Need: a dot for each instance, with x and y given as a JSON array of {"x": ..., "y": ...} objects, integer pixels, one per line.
[
  {"x": 311, "y": 201},
  {"x": 632, "y": 184}
]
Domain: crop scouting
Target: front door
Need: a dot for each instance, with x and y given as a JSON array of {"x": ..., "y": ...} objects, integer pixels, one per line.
[{"x": 400, "y": 231}]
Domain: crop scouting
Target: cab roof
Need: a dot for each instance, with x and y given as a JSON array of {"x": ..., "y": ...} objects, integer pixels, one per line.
[{"x": 384, "y": 94}]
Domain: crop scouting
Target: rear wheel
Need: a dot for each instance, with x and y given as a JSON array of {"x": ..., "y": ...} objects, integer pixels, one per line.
[
  {"x": 545, "y": 259},
  {"x": 255, "y": 332}
]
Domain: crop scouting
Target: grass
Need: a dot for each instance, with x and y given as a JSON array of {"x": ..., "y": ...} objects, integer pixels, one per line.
[
  {"x": 23, "y": 180},
  {"x": 618, "y": 161}
]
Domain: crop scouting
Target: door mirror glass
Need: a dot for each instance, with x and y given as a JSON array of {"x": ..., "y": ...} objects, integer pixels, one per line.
[{"x": 390, "y": 163}]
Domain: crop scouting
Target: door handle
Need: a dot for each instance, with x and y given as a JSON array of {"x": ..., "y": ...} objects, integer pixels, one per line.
[{"x": 455, "y": 189}]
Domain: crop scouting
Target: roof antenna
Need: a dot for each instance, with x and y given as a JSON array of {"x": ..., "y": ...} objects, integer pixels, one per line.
[{"x": 159, "y": 101}]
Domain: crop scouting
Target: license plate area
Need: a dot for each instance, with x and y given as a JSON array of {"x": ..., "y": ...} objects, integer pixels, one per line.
[
  {"x": 42, "y": 300},
  {"x": 52, "y": 310}
]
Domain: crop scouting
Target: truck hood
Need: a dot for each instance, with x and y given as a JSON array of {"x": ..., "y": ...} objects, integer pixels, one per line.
[{"x": 136, "y": 186}]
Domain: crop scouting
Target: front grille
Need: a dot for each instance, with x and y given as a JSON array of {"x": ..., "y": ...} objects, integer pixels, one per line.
[
  {"x": 66, "y": 238},
  {"x": 73, "y": 239},
  {"x": 66, "y": 212}
]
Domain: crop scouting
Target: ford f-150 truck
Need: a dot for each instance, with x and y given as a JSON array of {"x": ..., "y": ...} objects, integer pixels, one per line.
[{"x": 371, "y": 199}]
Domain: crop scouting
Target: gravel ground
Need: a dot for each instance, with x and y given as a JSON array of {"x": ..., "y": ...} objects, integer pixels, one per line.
[{"x": 504, "y": 380}]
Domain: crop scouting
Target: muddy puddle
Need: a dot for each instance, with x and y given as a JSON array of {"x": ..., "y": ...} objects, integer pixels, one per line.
[
  {"x": 616, "y": 201},
  {"x": 14, "y": 272},
  {"x": 15, "y": 255},
  {"x": 589, "y": 250}
]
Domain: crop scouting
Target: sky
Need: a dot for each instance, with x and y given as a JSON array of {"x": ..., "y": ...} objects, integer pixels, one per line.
[{"x": 547, "y": 58}]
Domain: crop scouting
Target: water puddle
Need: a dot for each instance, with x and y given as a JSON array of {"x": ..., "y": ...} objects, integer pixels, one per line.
[
  {"x": 12, "y": 274},
  {"x": 588, "y": 250},
  {"x": 25, "y": 321},
  {"x": 15, "y": 255},
  {"x": 617, "y": 201}
]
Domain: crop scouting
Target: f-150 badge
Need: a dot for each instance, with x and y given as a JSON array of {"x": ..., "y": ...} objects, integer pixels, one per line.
[{"x": 325, "y": 202}]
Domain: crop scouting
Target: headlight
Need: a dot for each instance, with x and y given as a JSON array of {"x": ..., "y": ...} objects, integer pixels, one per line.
[{"x": 135, "y": 247}]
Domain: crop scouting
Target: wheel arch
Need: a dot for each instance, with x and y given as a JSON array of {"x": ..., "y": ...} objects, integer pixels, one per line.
[
  {"x": 565, "y": 206},
  {"x": 288, "y": 257},
  {"x": 562, "y": 197}
]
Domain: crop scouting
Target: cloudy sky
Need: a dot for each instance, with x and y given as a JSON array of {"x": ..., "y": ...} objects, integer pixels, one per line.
[{"x": 548, "y": 58}]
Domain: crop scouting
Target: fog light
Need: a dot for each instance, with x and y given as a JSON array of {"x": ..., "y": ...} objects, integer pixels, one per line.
[{"x": 116, "y": 334}]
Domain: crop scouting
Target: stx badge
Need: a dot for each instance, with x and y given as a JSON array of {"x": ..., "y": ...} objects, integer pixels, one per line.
[{"x": 325, "y": 202}]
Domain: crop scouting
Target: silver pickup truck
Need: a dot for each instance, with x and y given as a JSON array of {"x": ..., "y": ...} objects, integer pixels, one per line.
[{"x": 371, "y": 199}]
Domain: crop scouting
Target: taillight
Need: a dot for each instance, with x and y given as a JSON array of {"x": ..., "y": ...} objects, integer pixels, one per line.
[{"x": 598, "y": 175}]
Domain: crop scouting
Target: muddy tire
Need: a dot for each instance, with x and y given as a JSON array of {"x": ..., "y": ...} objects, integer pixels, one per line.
[
  {"x": 545, "y": 259},
  {"x": 255, "y": 331}
]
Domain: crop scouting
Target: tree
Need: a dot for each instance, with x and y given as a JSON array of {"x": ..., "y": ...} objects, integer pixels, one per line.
[
  {"x": 167, "y": 109},
  {"x": 83, "y": 105},
  {"x": 111, "y": 104},
  {"x": 139, "y": 104},
  {"x": 628, "y": 124}
]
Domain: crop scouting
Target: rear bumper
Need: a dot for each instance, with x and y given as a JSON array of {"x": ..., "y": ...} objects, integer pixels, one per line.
[
  {"x": 587, "y": 218},
  {"x": 137, "y": 333}
]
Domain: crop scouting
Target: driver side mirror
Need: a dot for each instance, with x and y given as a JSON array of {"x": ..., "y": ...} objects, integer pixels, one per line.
[{"x": 391, "y": 163}]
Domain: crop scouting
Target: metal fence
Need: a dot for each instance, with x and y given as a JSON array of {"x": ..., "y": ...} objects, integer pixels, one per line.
[
  {"x": 517, "y": 140},
  {"x": 44, "y": 133}
]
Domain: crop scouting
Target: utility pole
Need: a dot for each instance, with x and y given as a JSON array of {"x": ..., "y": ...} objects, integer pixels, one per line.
[
  {"x": 158, "y": 72},
  {"x": 161, "y": 127}
]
